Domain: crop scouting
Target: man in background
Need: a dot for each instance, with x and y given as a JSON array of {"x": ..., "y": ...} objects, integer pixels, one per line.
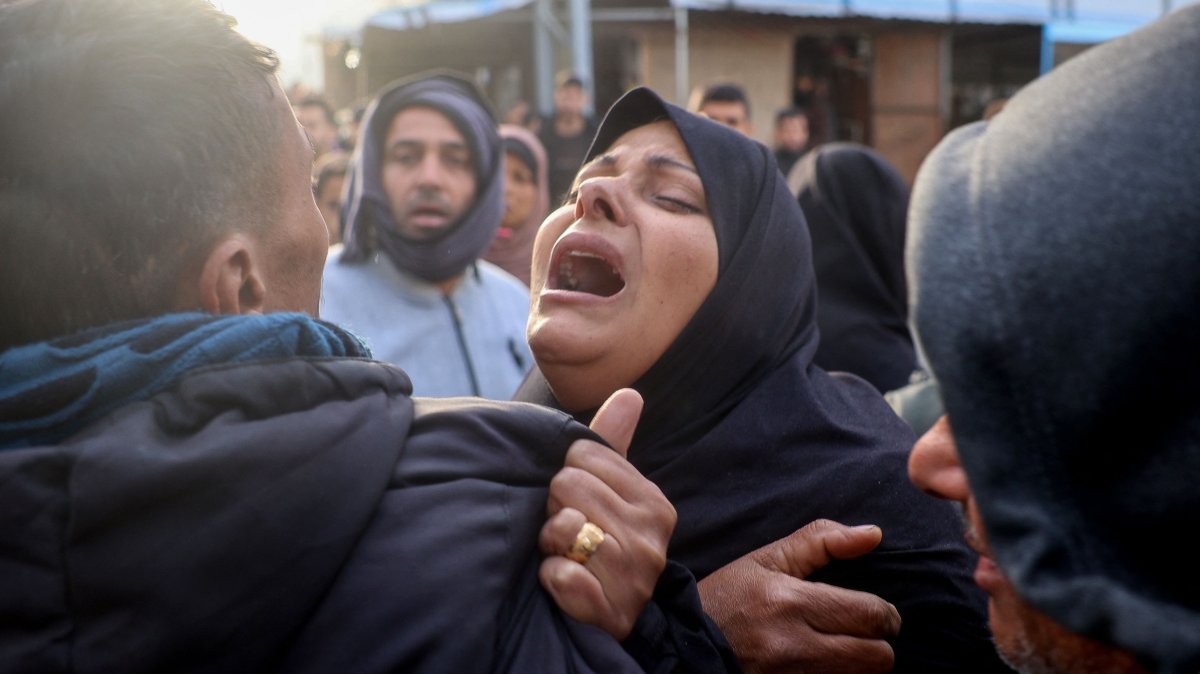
[
  {"x": 317, "y": 117},
  {"x": 566, "y": 135},
  {"x": 726, "y": 103},
  {"x": 791, "y": 137},
  {"x": 425, "y": 199}
]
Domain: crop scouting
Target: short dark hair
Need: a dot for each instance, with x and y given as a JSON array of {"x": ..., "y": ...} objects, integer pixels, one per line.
[
  {"x": 318, "y": 101},
  {"x": 725, "y": 92},
  {"x": 135, "y": 135},
  {"x": 789, "y": 113},
  {"x": 569, "y": 79}
]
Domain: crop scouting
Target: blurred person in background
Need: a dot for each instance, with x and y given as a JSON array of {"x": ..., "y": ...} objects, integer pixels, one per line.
[
  {"x": 791, "y": 137},
  {"x": 316, "y": 115},
  {"x": 329, "y": 180},
  {"x": 856, "y": 203},
  {"x": 724, "y": 102},
  {"x": 424, "y": 201},
  {"x": 566, "y": 134},
  {"x": 526, "y": 201}
]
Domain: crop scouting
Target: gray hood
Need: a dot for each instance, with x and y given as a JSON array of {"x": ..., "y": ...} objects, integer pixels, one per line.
[{"x": 1054, "y": 275}]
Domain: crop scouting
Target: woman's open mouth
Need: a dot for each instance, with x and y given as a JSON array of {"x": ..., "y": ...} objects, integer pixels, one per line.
[{"x": 585, "y": 263}]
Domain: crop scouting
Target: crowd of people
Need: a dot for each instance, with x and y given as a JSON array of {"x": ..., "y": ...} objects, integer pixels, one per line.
[{"x": 628, "y": 394}]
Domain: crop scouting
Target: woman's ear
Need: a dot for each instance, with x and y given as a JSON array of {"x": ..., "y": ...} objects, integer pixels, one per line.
[{"x": 230, "y": 281}]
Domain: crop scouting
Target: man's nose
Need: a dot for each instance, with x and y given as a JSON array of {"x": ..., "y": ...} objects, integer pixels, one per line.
[
  {"x": 431, "y": 171},
  {"x": 933, "y": 465}
]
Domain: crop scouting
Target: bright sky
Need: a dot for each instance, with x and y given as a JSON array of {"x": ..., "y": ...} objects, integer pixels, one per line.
[{"x": 290, "y": 27}]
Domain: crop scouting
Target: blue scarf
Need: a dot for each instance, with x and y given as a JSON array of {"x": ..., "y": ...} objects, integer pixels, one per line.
[{"x": 50, "y": 390}]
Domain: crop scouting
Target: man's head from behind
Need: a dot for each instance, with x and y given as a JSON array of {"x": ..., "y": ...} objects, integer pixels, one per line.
[
  {"x": 1054, "y": 284},
  {"x": 139, "y": 136},
  {"x": 726, "y": 103}
]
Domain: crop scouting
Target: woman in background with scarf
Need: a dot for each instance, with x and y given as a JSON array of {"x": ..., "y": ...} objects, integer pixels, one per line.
[
  {"x": 855, "y": 204},
  {"x": 526, "y": 201}
]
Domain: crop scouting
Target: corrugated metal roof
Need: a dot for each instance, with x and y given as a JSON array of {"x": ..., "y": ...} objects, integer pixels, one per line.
[
  {"x": 1065, "y": 20},
  {"x": 1098, "y": 19}
]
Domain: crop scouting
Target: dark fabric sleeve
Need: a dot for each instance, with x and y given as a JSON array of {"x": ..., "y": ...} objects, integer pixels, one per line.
[{"x": 673, "y": 634}]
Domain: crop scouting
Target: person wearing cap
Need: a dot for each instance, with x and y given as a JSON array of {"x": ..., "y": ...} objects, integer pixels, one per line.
[
  {"x": 1054, "y": 282},
  {"x": 425, "y": 197}
]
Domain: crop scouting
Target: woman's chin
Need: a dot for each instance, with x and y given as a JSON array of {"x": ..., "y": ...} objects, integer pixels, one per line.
[{"x": 575, "y": 390}]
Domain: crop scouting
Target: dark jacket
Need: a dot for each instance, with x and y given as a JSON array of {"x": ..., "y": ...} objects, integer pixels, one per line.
[{"x": 300, "y": 514}]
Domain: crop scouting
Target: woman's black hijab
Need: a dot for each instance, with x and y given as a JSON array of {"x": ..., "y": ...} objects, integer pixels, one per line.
[
  {"x": 855, "y": 204},
  {"x": 739, "y": 375},
  {"x": 750, "y": 440}
]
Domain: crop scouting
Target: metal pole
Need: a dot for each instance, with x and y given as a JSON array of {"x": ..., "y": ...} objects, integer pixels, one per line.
[
  {"x": 681, "y": 56},
  {"x": 543, "y": 59},
  {"x": 1047, "y": 50},
  {"x": 581, "y": 46}
]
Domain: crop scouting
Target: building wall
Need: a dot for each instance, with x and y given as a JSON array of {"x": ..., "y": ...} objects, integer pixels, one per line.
[
  {"x": 750, "y": 53},
  {"x": 904, "y": 112},
  {"x": 907, "y": 111},
  {"x": 907, "y": 97}
]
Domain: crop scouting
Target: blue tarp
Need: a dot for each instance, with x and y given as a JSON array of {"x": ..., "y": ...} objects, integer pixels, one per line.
[
  {"x": 1077, "y": 21},
  {"x": 1085, "y": 21},
  {"x": 446, "y": 11}
]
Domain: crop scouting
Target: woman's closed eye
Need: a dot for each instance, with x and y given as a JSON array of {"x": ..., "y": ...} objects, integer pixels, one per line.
[
  {"x": 677, "y": 204},
  {"x": 671, "y": 202}
]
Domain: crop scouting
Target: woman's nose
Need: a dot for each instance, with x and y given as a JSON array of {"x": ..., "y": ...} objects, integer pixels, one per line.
[{"x": 599, "y": 199}]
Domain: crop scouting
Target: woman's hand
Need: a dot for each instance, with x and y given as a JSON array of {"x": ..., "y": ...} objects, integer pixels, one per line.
[
  {"x": 778, "y": 622},
  {"x": 612, "y": 585}
]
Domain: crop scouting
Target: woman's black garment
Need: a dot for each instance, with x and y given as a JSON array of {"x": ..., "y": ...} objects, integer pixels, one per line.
[
  {"x": 751, "y": 441},
  {"x": 855, "y": 204}
]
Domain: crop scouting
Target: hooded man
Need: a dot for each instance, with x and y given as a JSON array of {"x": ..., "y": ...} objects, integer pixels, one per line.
[
  {"x": 1054, "y": 276},
  {"x": 425, "y": 198}
]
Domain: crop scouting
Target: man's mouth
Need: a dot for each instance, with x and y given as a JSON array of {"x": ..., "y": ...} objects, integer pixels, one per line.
[
  {"x": 585, "y": 270},
  {"x": 429, "y": 211}
]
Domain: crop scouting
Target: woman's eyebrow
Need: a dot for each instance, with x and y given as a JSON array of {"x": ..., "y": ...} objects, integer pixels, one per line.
[
  {"x": 603, "y": 161},
  {"x": 663, "y": 161},
  {"x": 607, "y": 162}
]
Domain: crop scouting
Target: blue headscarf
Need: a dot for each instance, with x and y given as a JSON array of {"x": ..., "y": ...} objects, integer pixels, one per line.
[{"x": 367, "y": 211}]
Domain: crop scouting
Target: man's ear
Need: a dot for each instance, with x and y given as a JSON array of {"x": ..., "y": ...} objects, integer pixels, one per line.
[{"x": 230, "y": 279}]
